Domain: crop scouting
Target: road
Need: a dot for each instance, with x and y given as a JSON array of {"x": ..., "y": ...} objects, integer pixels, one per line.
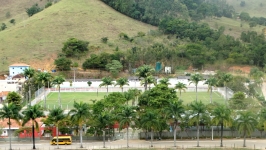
[{"x": 44, "y": 145}]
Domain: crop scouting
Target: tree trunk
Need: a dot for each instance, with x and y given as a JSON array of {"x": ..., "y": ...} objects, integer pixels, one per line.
[
  {"x": 127, "y": 137},
  {"x": 44, "y": 98},
  {"x": 80, "y": 135},
  {"x": 59, "y": 98},
  {"x": 33, "y": 137},
  {"x": 103, "y": 138},
  {"x": 175, "y": 134},
  {"x": 196, "y": 92},
  {"x": 107, "y": 89},
  {"x": 29, "y": 95},
  {"x": 222, "y": 127},
  {"x": 57, "y": 137},
  {"x": 9, "y": 133},
  {"x": 151, "y": 138},
  {"x": 145, "y": 85},
  {"x": 197, "y": 134},
  {"x": 244, "y": 145},
  {"x": 180, "y": 94},
  {"x": 211, "y": 95}
]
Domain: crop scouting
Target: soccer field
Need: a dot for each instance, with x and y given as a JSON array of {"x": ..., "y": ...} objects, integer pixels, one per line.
[{"x": 68, "y": 98}]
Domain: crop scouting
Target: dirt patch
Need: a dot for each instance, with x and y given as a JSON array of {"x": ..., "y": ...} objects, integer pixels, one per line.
[
  {"x": 240, "y": 69},
  {"x": 45, "y": 64}
]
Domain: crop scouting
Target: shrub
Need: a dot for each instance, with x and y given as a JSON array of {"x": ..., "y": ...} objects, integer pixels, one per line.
[
  {"x": 48, "y": 4},
  {"x": 33, "y": 10},
  {"x": 13, "y": 21},
  {"x": 8, "y": 14},
  {"x": 104, "y": 39},
  {"x": 141, "y": 34},
  {"x": 3, "y": 26}
]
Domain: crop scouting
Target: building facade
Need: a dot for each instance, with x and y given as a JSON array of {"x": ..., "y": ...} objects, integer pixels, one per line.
[{"x": 17, "y": 69}]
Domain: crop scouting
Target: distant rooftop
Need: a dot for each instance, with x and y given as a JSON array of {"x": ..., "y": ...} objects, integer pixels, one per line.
[{"x": 18, "y": 64}]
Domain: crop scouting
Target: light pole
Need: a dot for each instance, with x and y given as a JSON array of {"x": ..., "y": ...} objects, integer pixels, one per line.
[{"x": 74, "y": 68}]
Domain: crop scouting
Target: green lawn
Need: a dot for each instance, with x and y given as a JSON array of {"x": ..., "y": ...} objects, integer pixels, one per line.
[
  {"x": 68, "y": 98},
  {"x": 189, "y": 97}
]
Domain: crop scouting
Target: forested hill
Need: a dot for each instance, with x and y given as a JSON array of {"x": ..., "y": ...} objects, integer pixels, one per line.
[
  {"x": 204, "y": 45},
  {"x": 152, "y": 11}
]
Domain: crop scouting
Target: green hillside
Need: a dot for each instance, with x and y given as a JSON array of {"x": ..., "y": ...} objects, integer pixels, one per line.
[
  {"x": 38, "y": 39},
  {"x": 253, "y": 7}
]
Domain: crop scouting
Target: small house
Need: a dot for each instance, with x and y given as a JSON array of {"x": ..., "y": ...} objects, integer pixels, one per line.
[{"x": 17, "y": 68}]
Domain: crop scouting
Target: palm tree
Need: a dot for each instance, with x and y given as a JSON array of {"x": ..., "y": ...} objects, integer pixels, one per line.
[
  {"x": 144, "y": 72},
  {"x": 136, "y": 93},
  {"x": 102, "y": 120},
  {"x": 126, "y": 117},
  {"x": 149, "y": 81},
  {"x": 262, "y": 116},
  {"x": 79, "y": 114},
  {"x": 29, "y": 73},
  {"x": 58, "y": 80},
  {"x": 55, "y": 117},
  {"x": 122, "y": 82},
  {"x": 10, "y": 111},
  {"x": 165, "y": 81},
  {"x": 150, "y": 121},
  {"x": 180, "y": 87},
  {"x": 198, "y": 110},
  {"x": 226, "y": 78},
  {"x": 173, "y": 112},
  {"x": 128, "y": 96},
  {"x": 196, "y": 78},
  {"x": 222, "y": 116},
  {"x": 106, "y": 81},
  {"x": 31, "y": 114},
  {"x": 212, "y": 82},
  {"x": 44, "y": 77},
  {"x": 246, "y": 123}
]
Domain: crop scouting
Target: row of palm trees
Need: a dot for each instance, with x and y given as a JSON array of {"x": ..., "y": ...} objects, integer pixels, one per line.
[
  {"x": 103, "y": 115},
  {"x": 42, "y": 78}
]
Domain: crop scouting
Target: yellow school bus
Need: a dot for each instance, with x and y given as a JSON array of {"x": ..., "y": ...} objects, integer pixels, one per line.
[{"x": 64, "y": 140}]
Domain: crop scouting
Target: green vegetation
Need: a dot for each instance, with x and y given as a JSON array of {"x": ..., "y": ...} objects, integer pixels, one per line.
[{"x": 34, "y": 9}]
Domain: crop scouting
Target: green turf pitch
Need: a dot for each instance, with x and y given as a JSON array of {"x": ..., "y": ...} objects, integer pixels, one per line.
[
  {"x": 68, "y": 98},
  {"x": 189, "y": 97}
]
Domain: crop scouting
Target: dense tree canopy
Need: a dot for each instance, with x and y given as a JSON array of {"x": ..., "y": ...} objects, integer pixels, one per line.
[{"x": 74, "y": 47}]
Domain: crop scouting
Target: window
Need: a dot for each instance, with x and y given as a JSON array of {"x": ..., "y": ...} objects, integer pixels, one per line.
[{"x": 13, "y": 73}]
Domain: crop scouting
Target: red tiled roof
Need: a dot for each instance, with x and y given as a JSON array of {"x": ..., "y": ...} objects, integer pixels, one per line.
[
  {"x": 18, "y": 76},
  {"x": 3, "y": 93},
  {"x": 19, "y": 64}
]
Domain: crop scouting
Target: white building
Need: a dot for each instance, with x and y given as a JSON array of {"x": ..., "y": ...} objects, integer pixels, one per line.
[{"x": 17, "y": 69}]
